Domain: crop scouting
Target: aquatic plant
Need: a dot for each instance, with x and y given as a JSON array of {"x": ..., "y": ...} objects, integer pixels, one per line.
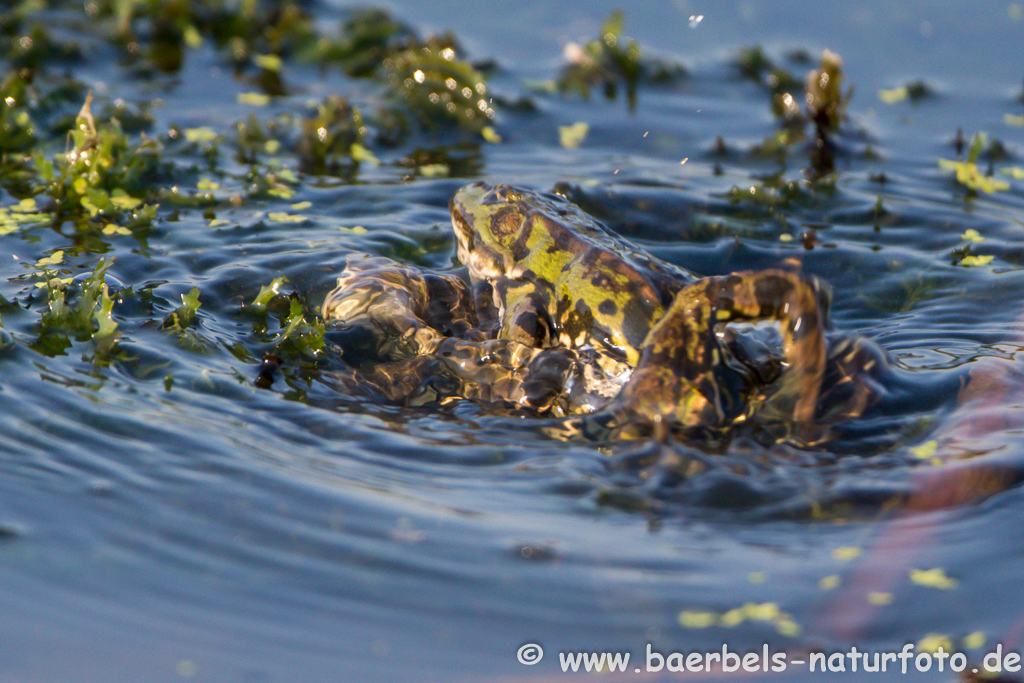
[
  {"x": 82, "y": 311},
  {"x": 36, "y": 47},
  {"x": 914, "y": 92},
  {"x": 185, "y": 315},
  {"x": 158, "y": 34},
  {"x": 824, "y": 96},
  {"x": 606, "y": 62},
  {"x": 302, "y": 330},
  {"x": 365, "y": 39},
  {"x": 967, "y": 172},
  {"x": 426, "y": 81},
  {"x": 327, "y": 138},
  {"x": 436, "y": 86},
  {"x": 610, "y": 62},
  {"x": 819, "y": 99},
  {"x": 96, "y": 179}
]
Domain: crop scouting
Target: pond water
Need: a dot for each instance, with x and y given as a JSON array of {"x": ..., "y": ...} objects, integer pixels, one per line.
[{"x": 163, "y": 518}]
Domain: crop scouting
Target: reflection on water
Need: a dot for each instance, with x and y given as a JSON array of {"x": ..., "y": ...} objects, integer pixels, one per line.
[{"x": 162, "y": 518}]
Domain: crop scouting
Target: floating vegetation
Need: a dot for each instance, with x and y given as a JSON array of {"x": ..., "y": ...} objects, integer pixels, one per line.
[
  {"x": 24, "y": 213},
  {"x": 611, "y": 62},
  {"x": 914, "y": 92},
  {"x": 753, "y": 64},
  {"x": 17, "y": 131},
  {"x": 825, "y": 99},
  {"x": 932, "y": 578},
  {"x": 328, "y": 138},
  {"x": 82, "y": 312},
  {"x": 302, "y": 329},
  {"x": 972, "y": 261},
  {"x": 437, "y": 86},
  {"x": 824, "y": 105},
  {"x": 967, "y": 172},
  {"x": 36, "y": 47},
  {"x": 772, "y": 193},
  {"x": 156, "y": 35},
  {"x": 366, "y": 38},
  {"x": 424, "y": 80},
  {"x": 94, "y": 180},
  {"x": 184, "y": 316},
  {"x": 572, "y": 136},
  {"x": 766, "y": 612},
  {"x": 608, "y": 62}
]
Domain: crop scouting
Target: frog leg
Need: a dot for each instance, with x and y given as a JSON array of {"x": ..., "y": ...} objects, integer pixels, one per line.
[
  {"x": 499, "y": 373},
  {"x": 525, "y": 317},
  {"x": 676, "y": 375},
  {"x": 506, "y": 372},
  {"x": 407, "y": 313}
]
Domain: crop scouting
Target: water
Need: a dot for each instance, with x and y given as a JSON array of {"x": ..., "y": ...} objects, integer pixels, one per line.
[{"x": 201, "y": 528}]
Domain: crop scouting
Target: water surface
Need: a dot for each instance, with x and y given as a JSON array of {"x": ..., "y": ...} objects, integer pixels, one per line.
[{"x": 163, "y": 519}]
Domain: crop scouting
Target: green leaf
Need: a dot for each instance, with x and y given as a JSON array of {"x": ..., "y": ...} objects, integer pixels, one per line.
[
  {"x": 933, "y": 578},
  {"x": 973, "y": 261},
  {"x": 268, "y": 292},
  {"x": 570, "y": 137},
  {"x": 190, "y": 301},
  {"x": 104, "y": 318},
  {"x": 52, "y": 260},
  {"x": 282, "y": 217},
  {"x": 202, "y": 134},
  {"x": 122, "y": 200},
  {"x": 268, "y": 62},
  {"x": 360, "y": 153},
  {"x": 254, "y": 99},
  {"x": 977, "y": 145},
  {"x": 895, "y": 95}
]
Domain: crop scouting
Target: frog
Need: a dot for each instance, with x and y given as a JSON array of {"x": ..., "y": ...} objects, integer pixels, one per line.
[
  {"x": 548, "y": 297},
  {"x": 421, "y": 338},
  {"x": 559, "y": 279}
]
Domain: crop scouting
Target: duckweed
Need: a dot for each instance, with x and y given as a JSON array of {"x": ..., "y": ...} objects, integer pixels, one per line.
[
  {"x": 967, "y": 172},
  {"x": 572, "y": 136},
  {"x": 932, "y": 578}
]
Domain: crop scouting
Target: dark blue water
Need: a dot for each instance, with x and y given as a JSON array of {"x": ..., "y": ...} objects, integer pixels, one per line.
[{"x": 200, "y": 528}]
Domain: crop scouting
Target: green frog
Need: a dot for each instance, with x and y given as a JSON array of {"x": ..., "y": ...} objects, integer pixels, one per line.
[{"x": 557, "y": 315}]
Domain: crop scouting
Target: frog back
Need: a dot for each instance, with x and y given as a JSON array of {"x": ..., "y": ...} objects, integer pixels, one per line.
[{"x": 603, "y": 293}]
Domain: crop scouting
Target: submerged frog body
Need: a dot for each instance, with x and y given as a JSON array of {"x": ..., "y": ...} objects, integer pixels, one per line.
[{"x": 555, "y": 314}]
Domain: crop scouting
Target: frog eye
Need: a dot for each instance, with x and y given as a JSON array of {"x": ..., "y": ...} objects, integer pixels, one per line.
[{"x": 502, "y": 194}]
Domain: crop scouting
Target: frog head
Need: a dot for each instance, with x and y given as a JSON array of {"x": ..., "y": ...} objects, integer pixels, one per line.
[{"x": 489, "y": 221}]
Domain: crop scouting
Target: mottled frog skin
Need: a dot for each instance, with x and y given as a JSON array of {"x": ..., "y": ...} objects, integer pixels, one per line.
[
  {"x": 556, "y": 315},
  {"x": 557, "y": 277}
]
